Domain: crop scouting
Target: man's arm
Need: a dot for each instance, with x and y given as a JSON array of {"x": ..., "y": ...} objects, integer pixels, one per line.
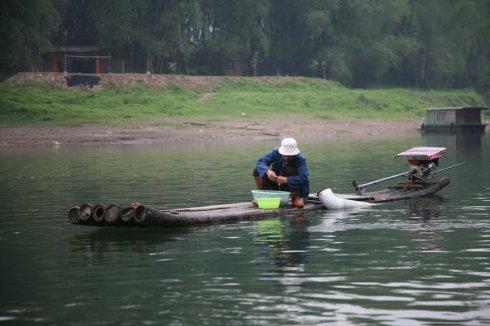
[{"x": 264, "y": 162}]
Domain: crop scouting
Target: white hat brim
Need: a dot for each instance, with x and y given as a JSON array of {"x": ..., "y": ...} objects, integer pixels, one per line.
[{"x": 284, "y": 151}]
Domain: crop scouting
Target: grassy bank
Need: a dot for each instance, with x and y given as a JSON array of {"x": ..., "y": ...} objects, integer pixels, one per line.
[{"x": 244, "y": 97}]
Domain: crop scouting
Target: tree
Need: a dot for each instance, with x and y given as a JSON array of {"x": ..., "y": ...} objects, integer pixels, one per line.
[
  {"x": 360, "y": 43},
  {"x": 26, "y": 27},
  {"x": 231, "y": 29}
]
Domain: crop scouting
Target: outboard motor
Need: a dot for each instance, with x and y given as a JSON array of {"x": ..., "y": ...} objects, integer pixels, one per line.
[
  {"x": 420, "y": 169},
  {"x": 422, "y": 161}
]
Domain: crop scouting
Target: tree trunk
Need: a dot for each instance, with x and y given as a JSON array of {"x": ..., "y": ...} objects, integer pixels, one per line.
[{"x": 181, "y": 48}]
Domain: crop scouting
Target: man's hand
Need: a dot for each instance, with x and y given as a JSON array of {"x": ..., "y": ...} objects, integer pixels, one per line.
[
  {"x": 271, "y": 175},
  {"x": 281, "y": 180}
]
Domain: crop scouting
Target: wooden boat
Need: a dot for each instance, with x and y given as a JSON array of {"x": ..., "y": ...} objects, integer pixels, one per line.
[
  {"x": 422, "y": 162},
  {"x": 140, "y": 215},
  {"x": 400, "y": 191}
]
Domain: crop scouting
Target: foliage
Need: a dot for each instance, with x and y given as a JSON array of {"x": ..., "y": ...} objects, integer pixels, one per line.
[
  {"x": 242, "y": 98},
  {"x": 360, "y": 43},
  {"x": 25, "y": 30}
]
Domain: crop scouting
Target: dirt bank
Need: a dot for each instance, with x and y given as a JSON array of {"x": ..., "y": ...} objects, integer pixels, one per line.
[
  {"x": 173, "y": 131},
  {"x": 195, "y": 83}
]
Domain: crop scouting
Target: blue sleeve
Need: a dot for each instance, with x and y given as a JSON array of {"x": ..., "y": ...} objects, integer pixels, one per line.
[
  {"x": 264, "y": 162},
  {"x": 302, "y": 179}
]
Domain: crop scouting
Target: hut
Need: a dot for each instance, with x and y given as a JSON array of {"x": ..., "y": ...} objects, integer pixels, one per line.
[
  {"x": 454, "y": 119},
  {"x": 86, "y": 60}
]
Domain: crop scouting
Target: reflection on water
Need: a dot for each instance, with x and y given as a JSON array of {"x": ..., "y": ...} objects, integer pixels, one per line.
[
  {"x": 106, "y": 241},
  {"x": 460, "y": 142},
  {"x": 422, "y": 261},
  {"x": 425, "y": 208},
  {"x": 283, "y": 247}
]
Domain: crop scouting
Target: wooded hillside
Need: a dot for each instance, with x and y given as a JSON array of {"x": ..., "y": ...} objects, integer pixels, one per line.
[{"x": 360, "y": 43}]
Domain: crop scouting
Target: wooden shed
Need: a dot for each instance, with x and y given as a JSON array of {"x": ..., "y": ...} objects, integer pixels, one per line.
[
  {"x": 454, "y": 119},
  {"x": 87, "y": 60}
]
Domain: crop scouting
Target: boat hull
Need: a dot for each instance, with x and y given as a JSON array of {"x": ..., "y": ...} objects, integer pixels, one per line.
[{"x": 406, "y": 191}]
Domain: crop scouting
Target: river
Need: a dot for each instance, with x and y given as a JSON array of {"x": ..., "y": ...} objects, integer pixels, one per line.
[{"x": 417, "y": 262}]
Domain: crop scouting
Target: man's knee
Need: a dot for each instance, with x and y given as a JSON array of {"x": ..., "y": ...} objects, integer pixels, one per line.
[{"x": 259, "y": 181}]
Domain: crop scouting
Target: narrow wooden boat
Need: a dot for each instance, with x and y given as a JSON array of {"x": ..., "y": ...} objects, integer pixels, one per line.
[
  {"x": 400, "y": 191},
  {"x": 146, "y": 216}
]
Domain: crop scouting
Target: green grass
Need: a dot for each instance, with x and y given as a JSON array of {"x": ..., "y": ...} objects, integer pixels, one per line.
[{"x": 23, "y": 105}]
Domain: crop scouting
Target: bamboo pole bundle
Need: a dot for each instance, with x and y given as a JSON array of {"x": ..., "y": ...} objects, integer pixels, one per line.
[
  {"x": 140, "y": 215},
  {"x": 146, "y": 216}
]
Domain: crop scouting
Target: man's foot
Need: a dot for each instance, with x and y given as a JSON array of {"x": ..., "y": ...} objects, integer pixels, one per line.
[{"x": 298, "y": 202}]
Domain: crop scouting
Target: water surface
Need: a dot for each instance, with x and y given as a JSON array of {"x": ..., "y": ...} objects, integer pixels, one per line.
[{"x": 417, "y": 262}]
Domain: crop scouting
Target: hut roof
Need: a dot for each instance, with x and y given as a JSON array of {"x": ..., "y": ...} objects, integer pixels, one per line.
[{"x": 69, "y": 49}]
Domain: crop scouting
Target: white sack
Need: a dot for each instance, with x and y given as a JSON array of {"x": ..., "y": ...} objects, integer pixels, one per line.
[{"x": 331, "y": 201}]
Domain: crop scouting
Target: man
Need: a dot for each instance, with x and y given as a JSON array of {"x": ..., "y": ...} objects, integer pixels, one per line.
[{"x": 284, "y": 168}]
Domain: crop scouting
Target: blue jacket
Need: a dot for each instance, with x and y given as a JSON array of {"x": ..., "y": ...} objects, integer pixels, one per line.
[{"x": 274, "y": 161}]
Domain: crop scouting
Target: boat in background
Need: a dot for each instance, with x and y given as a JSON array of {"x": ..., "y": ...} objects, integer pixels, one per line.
[{"x": 454, "y": 119}]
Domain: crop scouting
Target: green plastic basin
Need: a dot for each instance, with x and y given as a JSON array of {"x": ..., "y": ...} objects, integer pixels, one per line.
[
  {"x": 284, "y": 195},
  {"x": 268, "y": 202}
]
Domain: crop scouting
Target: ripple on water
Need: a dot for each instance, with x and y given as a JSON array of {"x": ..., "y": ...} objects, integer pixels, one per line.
[
  {"x": 436, "y": 286},
  {"x": 343, "y": 296},
  {"x": 421, "y": 262}
]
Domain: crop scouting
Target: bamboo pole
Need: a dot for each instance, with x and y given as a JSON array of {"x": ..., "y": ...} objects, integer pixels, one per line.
[
  {"x": 81, "y": 215},
  {"x": 127, "y": 215},
  {"x": 73, "y": 215},
  {"x": 98, "y": 213},
  {"x": 85, "y": 212},
  {"x": 212, "y": 207},
  {"x": 113, "y": 214}
]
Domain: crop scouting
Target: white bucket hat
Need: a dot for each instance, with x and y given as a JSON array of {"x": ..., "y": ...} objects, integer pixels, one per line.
[{"x": 289, "y": 147}]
